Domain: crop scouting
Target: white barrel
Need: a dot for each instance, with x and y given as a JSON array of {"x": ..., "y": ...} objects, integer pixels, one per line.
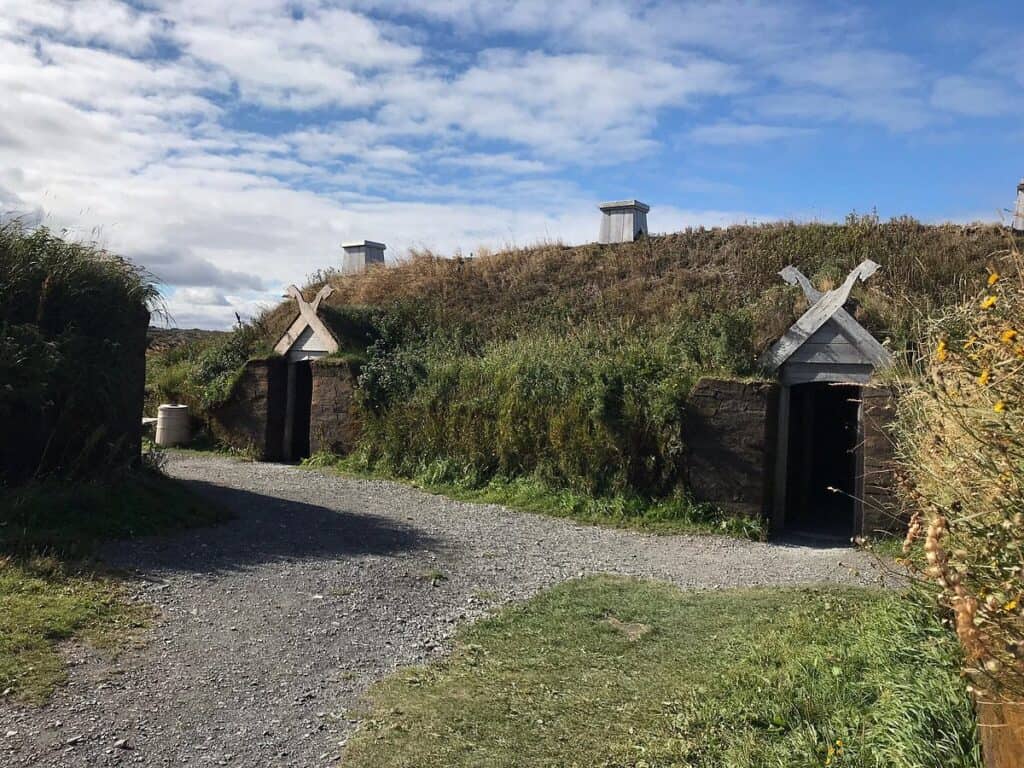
[{"x": 172, "y": 425}]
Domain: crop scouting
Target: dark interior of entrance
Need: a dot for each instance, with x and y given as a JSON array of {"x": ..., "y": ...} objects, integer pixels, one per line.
[
  {"x": 822, "y": 454},
  {"x": 302, "y": 400}
]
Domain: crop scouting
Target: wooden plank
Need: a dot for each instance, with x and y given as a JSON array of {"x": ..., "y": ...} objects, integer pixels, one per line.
[
  {"x": 829, "y": 333},
  {"x": 289, "y": 337},
  {"x": 310, "y": 342},
  {"x": 859, "y": 337},
  {"x": 809, "y": 322},
  {"x": 307, "y": 318},
  {"x": 808, "y": 373},
  {"x": 794, "y": 276},
  {"x": 289, "y": 414},
  {"x": 829, "y": 353},
  {"x": 858, "y": 473},
  {"x": 623, "y": 223},
  {"x": 308, "y": 345},
  {"x": 781, "y": 462}
]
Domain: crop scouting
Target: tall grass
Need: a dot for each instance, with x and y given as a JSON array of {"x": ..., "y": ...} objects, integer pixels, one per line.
[
  {"x": 72, "y": 335},
  {"x": 600, "y": 411},
  {"x": 554, "y": 287},
  {"x": 202, "y": 373},
  {"x": 961, "y": 443}
]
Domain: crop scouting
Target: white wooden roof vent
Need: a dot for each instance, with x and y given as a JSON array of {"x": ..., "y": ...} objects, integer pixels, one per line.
[
  {"x": 1018, "y": 215},
  {"x": 623, "y": 221},
  {"x": 361, "y": 254}
]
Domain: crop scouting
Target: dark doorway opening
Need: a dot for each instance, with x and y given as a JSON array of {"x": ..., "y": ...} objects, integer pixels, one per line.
[
  {"x": 822, "y": 455},
  {"x": 301, "y": 382}
]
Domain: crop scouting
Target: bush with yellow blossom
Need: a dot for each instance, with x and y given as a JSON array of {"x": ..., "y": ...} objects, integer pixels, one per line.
[{"x": 960, "y": 441}]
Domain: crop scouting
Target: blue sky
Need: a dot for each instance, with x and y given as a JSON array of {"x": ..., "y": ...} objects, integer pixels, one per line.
[{"x": 230, "y": 147}]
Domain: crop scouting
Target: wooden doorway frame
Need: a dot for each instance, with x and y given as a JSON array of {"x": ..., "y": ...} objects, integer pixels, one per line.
[{"x": 791, "y": 376}]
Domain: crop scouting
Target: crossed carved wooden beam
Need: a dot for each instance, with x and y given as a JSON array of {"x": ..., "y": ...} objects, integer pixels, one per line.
[
  {"x": 308, "y": 318},
  {"x": 824, "y": 307},
  {"x": 305, "y": 308}
]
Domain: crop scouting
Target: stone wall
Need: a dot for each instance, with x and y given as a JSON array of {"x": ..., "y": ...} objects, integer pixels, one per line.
[
  {"x": 334, "y": 423},
  {"x": 880, "y": 505},
  {"x": 252, "y": 418},
  {"x": 730, "y": 439}
]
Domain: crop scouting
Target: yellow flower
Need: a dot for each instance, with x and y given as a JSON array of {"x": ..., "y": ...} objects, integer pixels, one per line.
[
  {"x": 1012, "y": 605},
  {"x": 1008, "y": 336},
  {"x": 999, "y": 407},
  {"x": 940, "y": 351},
  {"x": 970, "y": 342},
  {"x": 988, "y": 302},
  {"x": 983, "y": 379},
  {"x": 992, "y": 278}
]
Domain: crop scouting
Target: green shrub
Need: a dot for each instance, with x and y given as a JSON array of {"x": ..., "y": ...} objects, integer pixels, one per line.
[
  {"x": 219, "y": 365},
  {"x": 601, "y": 410},
  {"x": 202, "y": 374}
]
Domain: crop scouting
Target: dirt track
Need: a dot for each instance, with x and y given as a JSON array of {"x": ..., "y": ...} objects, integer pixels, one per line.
[{"x": 273, "y": 624}]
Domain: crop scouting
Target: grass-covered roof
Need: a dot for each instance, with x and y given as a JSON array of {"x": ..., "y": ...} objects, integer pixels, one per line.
[{"x": 502, "y": 295}]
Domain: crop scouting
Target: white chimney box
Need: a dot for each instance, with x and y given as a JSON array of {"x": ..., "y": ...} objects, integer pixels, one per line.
[
  {"x": 361, "y": 254},
  {"x": 623, "y": 221},
  {"x": 1018, "y": 215}
]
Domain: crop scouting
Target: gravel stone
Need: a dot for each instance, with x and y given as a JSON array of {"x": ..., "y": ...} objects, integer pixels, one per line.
[{"x": 271, "y": 626}]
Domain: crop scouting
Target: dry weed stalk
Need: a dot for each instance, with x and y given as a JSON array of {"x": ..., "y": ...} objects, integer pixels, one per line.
[{"x": 961, "y": 437}]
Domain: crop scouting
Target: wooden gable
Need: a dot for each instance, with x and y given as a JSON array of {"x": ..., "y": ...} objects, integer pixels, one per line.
[
  {"x": 826, "y": 343},
  {"x": 307, "y": 336}
]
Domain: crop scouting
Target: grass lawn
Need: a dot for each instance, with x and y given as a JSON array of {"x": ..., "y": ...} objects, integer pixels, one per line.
[
  {"x": 615, "y": 672},
  {"x": 531, "y": 495},
  {"x": 50, "y": 592},
  {"x": 43, "y": 602}
]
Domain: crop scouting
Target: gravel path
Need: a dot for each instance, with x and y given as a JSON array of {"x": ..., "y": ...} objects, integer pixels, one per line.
[{"x": 272, "y": 625}]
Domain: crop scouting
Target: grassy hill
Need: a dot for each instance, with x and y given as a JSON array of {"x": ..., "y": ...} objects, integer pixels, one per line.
[
  {"x": 556, "y": 287},
  {"x": 160, "y": 340}
]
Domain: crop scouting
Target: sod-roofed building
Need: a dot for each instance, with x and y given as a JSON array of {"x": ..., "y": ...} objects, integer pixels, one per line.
[
  {"x": 300, "y": 400},
  {"x": 784, "y": 411}
]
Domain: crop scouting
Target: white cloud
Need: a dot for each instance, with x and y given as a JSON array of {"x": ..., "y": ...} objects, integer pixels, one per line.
[
  {"x": 726, "y": 133},
  {"x": 291, "y": 63},
  {"x": 752, "y": 28},
  {"x": 104, "y": 22},
  {"x": 204, "y": 297},
  {"x": 501, "y": 162},
  {"x": 973, "y": 96},
  {"x": 853, "y": 71},
  {"x": 857, "y": 84},
  {"x": 230, "y": 147}
]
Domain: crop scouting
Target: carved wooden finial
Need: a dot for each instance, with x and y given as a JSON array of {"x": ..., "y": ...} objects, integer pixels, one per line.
[
  {"x": 824, "y": 307},
  {"x": 308, "y": 318}
]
